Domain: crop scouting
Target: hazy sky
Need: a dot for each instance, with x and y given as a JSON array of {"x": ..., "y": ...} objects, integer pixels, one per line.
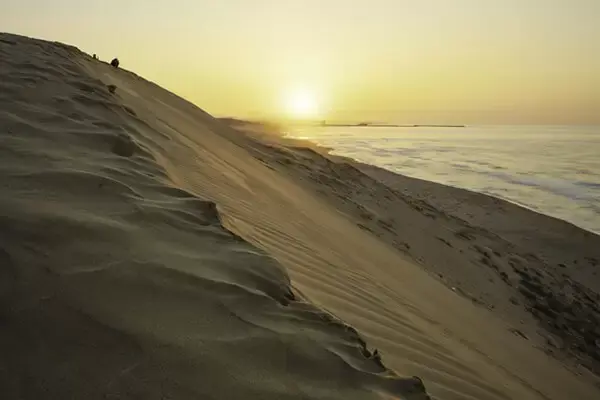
[{"x": 426, "y": 61}]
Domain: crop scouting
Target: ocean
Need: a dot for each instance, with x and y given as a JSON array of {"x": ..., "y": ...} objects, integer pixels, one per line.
[{"x": 554, "y": 170}]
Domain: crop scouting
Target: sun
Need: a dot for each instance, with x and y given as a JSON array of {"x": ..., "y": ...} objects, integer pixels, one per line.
[{"x": 302, "y": 103}]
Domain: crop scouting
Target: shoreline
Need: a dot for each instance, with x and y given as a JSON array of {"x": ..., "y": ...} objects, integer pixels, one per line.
[
  {"x": 492, "y": 195},
  {"x": 332, "y": 152}
]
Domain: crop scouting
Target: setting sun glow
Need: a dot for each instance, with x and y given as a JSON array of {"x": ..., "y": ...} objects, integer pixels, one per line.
[
  {"x": 302, "y": 103},
  {"x": 412, "y": 62}
]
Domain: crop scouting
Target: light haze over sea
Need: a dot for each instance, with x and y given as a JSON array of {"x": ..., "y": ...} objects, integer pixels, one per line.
[{"x": 554, "y": 170}]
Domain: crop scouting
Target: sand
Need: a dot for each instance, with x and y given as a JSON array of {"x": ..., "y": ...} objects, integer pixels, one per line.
[{"x": 149, "y": 250}]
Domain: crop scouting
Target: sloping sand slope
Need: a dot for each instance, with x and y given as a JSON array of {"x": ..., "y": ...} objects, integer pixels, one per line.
[
  {"x": 113, "y": 211},
  {"x": 467, "y": 242},
  {"x": 118, "y": 283},
  {"x": 532, "y": 270}
]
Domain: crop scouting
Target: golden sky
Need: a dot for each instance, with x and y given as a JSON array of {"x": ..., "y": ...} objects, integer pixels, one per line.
[{"x": 427, "y": 61}]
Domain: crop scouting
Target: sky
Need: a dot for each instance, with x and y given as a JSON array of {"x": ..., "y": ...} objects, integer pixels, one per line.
[{"x": 427, "y": 61}]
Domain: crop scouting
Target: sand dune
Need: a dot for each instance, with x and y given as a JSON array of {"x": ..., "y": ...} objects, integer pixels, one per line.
[
  {"x": 119, "y": 283},
  {"x": 149, "y": 251}
]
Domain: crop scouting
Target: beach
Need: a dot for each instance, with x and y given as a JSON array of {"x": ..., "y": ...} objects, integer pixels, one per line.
[
  {"x": 150, "y": 250},
  {"x": 552, "y": 170}
]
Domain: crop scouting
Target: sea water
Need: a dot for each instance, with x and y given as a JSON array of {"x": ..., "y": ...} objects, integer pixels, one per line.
[{"x": 554, "y": 170}]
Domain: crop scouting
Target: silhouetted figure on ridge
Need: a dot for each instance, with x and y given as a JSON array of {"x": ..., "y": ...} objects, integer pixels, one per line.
[{"x": 115, "y": 63}]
